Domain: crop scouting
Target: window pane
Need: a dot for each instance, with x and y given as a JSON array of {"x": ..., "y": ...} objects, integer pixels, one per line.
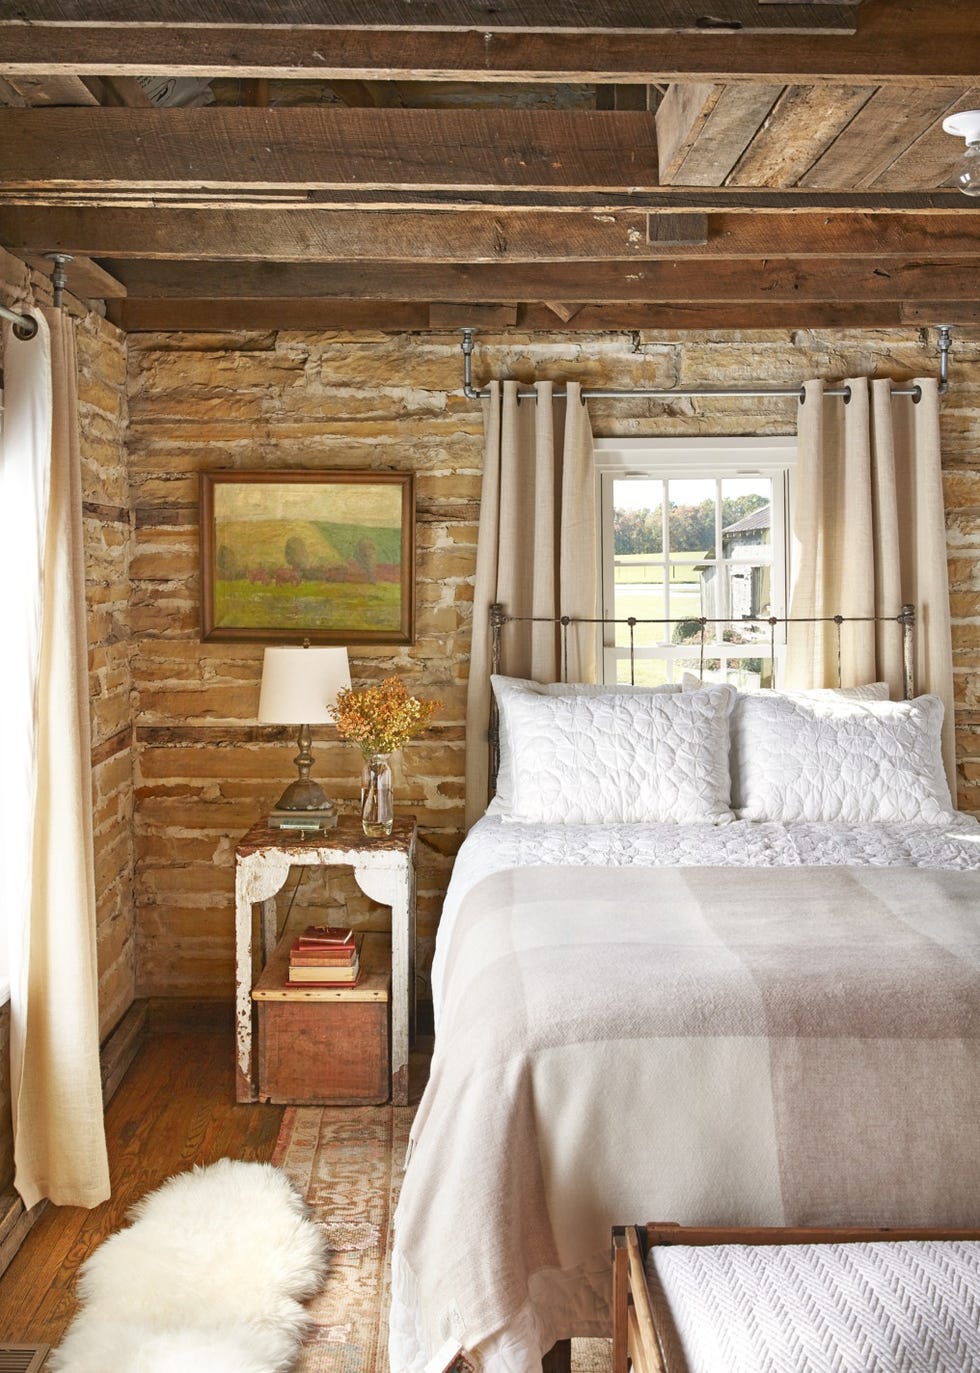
[
  {"x": 746, "y": 524},
  {"x": 691, "y": 518},
  {"x": 638, "y": 517},
  {"x": 648, "y": 671},
  {"x": 640, "y": 592}
]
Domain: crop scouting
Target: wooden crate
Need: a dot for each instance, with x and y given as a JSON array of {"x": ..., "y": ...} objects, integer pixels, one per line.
[{"x": 325, "y": 1046}]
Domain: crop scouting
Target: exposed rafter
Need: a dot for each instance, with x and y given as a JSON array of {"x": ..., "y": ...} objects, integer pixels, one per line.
[{"x": 910, "y": 41}]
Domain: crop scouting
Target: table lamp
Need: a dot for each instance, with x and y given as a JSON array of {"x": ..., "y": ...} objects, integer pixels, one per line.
[{"x": 299, "y": 685}]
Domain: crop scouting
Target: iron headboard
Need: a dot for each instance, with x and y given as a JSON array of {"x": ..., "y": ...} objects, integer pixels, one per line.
[{"x": 499, "y": 617}]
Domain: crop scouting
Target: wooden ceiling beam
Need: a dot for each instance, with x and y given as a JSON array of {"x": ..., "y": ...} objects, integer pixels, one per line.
[
  {"x": 141, "y": 316},
  {"x": 312, "y": 235},
  {"x": 505, "y": 16},
  {"x": 677, "y": 280},
  {"x": 913, "y": 42},
  {"x": 305, "y": 235},
  {"x": 658, "y": 200},
  {"x": 327, "y": 148}
]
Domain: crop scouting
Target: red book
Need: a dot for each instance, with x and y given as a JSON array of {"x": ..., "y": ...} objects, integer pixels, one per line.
[{"x": 325, "y": 937}]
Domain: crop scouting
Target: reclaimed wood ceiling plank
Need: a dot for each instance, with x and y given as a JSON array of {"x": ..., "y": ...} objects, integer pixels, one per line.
[
  {"x": 802, "y": 124},
  {"x": 311, "y": 235},
  {"x": 656, "y": 200},
  {"x": 721, "y": 123},
  {"x": 834, "y": 236},
  {"x": 541, "y": 16},
  {"x": 905, "y": 41},
  {"x": 928, "y": 160},
  {"x": 302, "y": 235},
  {"x": 136, "y": 315},
  {"x": 885, "y": 127},
  {"x": 667, "y": 280},
  {"x": 327, "y": 147}
]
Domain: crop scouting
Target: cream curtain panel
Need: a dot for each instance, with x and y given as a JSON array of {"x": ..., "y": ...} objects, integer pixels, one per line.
[
  {"x": 49, "y": 884},
  {"x": 536, "y": 552},
  {"x": 870, "y": 535}
]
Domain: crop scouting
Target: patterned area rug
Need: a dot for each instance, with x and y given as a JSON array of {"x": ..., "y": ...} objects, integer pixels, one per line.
[{"x": 348, "y": 1162}]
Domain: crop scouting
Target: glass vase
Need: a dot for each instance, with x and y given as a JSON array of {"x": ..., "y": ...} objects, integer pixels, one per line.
[{"x": 377, "y": 804}]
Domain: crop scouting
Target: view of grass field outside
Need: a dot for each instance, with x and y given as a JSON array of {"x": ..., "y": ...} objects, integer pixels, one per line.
[
  {"x": 308, "y": 557},
  {"x": 687, "y": 548}
]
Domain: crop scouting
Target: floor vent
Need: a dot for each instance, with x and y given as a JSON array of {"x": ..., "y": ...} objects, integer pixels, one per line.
[{"x": 22, "y": 1358}]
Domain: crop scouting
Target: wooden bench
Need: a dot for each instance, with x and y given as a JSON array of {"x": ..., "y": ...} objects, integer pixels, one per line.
[{"x": 640, "y": 1336}]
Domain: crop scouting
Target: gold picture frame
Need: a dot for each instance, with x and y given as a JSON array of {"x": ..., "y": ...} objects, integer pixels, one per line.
[{"x": 327, "y": 557}]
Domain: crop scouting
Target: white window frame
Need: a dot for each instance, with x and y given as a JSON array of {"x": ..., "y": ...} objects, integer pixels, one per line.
[{"x": 689, "y": 458}]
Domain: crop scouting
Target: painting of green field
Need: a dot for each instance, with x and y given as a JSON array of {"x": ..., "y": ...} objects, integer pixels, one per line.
[{"x": 310, "y": 556}]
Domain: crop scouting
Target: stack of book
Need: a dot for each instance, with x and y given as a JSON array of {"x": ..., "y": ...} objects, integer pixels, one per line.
[{"x": 324, "y": 956}]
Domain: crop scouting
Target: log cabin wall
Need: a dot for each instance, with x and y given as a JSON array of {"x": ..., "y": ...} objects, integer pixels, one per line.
[{"x": 274, "y": 400}]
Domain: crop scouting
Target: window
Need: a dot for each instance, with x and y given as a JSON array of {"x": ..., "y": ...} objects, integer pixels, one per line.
[{"x": 692, "y": 529}]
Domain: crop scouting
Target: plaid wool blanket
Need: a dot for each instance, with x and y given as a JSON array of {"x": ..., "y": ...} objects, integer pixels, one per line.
[{"x": 704, "y": 1045}]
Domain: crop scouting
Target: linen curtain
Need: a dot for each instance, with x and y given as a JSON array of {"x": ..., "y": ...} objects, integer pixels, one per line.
[
  {"x": 49, "y": 882},
  {"x": 870, "y": 535},
  {"x": 536, "y": 551}
]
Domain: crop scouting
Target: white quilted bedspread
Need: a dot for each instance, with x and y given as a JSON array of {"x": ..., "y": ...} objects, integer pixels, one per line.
[
  {"x": 494, "y": 845},
  {"x": 894, "y": 1307}
]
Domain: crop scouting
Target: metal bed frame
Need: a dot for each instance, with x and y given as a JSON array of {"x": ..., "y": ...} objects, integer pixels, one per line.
[{"x": 563, "y": 623}]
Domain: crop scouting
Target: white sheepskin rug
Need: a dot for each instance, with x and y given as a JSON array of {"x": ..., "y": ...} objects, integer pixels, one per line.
[{"x": 208, "y": 1278}]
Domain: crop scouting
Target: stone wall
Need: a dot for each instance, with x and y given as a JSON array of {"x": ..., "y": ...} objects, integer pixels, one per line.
[{"x": 328, "y": 401}]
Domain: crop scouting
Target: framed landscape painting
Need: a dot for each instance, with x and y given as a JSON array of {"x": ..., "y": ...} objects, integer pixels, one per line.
[{"x": 289, "y": 556}]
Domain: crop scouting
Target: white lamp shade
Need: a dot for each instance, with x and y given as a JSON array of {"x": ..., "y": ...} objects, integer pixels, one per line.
[{"x": 300, "y": 684}]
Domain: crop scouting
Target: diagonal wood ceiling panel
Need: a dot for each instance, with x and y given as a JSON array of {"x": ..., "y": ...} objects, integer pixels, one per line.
[
  {"x": 703, "y": 129},
  {"x": 804, "y": 121},
  {"x": 894, "y": 118},
  {"x": 928, "y": 162}
]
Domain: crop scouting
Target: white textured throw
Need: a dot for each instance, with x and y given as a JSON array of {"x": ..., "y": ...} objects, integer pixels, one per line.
[
  {"x": 895, "y": 1307},
  {"x": 208, "y": 1279}
]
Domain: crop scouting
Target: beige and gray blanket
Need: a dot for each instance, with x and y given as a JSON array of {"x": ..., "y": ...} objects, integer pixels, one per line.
[{"x": 704, "y": 1045}]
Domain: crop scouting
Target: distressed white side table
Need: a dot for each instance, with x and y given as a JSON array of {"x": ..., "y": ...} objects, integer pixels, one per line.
[{"x": 384, "y": 869}]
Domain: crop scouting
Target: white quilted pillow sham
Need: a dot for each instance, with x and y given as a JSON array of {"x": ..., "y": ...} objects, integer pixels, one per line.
[
  {"x": 500, "y": 804},
  {"x": 832, "y": 758},
  {"x": 873, "y": 691},
  {"x": 618, "y": 758}
]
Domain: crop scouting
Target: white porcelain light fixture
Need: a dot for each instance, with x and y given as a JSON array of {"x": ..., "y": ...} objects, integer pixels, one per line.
[{"x": 966, "y": 173}]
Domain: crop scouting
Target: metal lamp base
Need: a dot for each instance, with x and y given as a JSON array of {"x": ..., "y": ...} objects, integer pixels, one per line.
[{"x": 304, "y": 798}]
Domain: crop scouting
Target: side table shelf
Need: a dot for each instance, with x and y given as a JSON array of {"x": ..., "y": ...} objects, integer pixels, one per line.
[
  {"x": 325, "y": 1046},
  {"x": 384, "y": 869}
]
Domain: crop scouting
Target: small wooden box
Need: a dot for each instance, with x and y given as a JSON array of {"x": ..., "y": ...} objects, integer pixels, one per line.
[{"x": 325, "y": 1046}]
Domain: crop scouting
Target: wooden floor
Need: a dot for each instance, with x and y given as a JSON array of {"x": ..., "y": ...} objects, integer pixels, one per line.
[{"x": 174, "y": 1108}]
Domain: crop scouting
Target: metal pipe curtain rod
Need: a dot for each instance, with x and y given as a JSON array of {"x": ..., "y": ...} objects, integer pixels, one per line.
[
  {"x": 25, "y": 326},
  {"x": 653, "y": 393}
]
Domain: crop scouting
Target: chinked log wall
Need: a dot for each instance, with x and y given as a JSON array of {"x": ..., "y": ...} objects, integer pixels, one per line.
[{"x": 279, "y": 400}]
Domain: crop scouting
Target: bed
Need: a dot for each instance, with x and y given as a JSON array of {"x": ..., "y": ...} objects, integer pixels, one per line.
[{"x": 706, "y": 1015}]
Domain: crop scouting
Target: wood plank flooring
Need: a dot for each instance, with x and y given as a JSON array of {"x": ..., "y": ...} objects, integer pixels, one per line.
[{"x": 175, "y": 1108}]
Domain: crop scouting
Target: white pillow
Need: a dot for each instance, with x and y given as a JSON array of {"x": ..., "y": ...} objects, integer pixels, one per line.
[
  {"x": 873, "y": 691},
  {"x": 829, "y": 757},
  {"x": 619, "y": 758},
  {"x": 500, "y": 802}
]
